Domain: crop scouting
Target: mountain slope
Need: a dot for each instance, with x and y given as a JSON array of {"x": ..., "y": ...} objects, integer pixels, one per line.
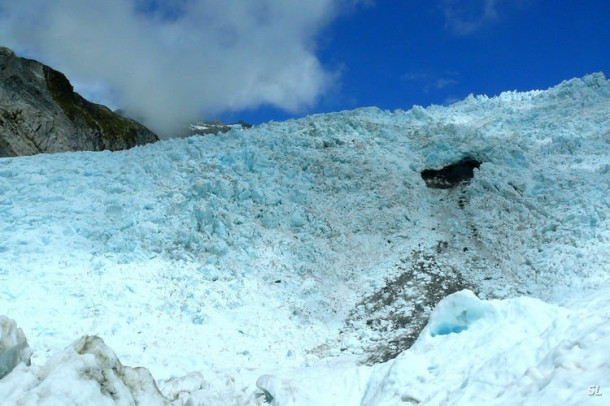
[
  {"x": 40, "y": 112},
  {"x": 300, "y": 254}
]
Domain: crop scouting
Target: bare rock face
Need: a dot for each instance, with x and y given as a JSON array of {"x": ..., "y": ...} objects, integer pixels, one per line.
[
  {"x": 451, "y": 175},
  {"x": 40, "y": 112}
]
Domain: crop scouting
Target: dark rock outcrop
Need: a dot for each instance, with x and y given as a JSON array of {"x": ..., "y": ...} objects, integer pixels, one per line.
[
  {"x": 451, "y": 175},
  {"x": 40, "y": 112}
]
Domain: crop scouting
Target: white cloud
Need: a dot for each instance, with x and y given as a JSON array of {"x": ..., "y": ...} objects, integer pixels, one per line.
[
  {"x": 441, "y": 83},
  {"x": 463, "y": 17},
  {"x": 171, "y": 61},
  {"x": 431, "y": 81}
]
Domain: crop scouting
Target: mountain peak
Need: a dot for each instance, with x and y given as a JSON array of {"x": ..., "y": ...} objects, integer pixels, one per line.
[{"x": 40, "y": 112}]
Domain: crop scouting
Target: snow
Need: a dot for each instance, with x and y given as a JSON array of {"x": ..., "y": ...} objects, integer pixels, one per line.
[{"x": 273, "y": 264}]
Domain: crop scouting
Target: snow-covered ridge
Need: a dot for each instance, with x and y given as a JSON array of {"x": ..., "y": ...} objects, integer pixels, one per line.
[{"x": 257, "y": 253}]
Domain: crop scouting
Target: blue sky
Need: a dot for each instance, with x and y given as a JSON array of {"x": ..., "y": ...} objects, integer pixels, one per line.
[
  {"x": 167, "y": 62},
  {"x": 396, "y": 54}
]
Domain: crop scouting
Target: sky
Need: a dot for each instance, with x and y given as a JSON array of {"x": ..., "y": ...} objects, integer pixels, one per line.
[{"x": 170, "y": 62}]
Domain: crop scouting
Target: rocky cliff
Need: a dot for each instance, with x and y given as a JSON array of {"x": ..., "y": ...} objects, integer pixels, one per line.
[{"x": 40, "y": 112}]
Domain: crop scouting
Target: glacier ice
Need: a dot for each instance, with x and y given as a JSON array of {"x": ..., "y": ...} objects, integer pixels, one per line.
[
  {"x": 214, "y": 261},
  {"x": 456, "y": 313}
]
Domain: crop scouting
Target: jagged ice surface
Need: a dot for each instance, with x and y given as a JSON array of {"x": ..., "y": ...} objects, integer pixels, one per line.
[{"x": 241, "y": 256}]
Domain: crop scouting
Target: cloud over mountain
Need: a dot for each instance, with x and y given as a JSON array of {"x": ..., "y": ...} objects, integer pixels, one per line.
[{"x": 168, "y": 62}]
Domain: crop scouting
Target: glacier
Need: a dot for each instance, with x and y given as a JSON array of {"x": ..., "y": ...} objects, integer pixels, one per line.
[{"x": 306, "y": 262}]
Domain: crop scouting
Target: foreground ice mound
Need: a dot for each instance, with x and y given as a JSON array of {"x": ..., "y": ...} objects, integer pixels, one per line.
[
  {"x": 518, "y": 351},
  {"x": 472, "y": 352},
  {"x": 85, "y": 373},
  {"x": 14, "y": 348}
]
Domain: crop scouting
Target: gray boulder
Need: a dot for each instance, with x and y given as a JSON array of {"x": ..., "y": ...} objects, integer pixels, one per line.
[{"x": 40, "y": 112}]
